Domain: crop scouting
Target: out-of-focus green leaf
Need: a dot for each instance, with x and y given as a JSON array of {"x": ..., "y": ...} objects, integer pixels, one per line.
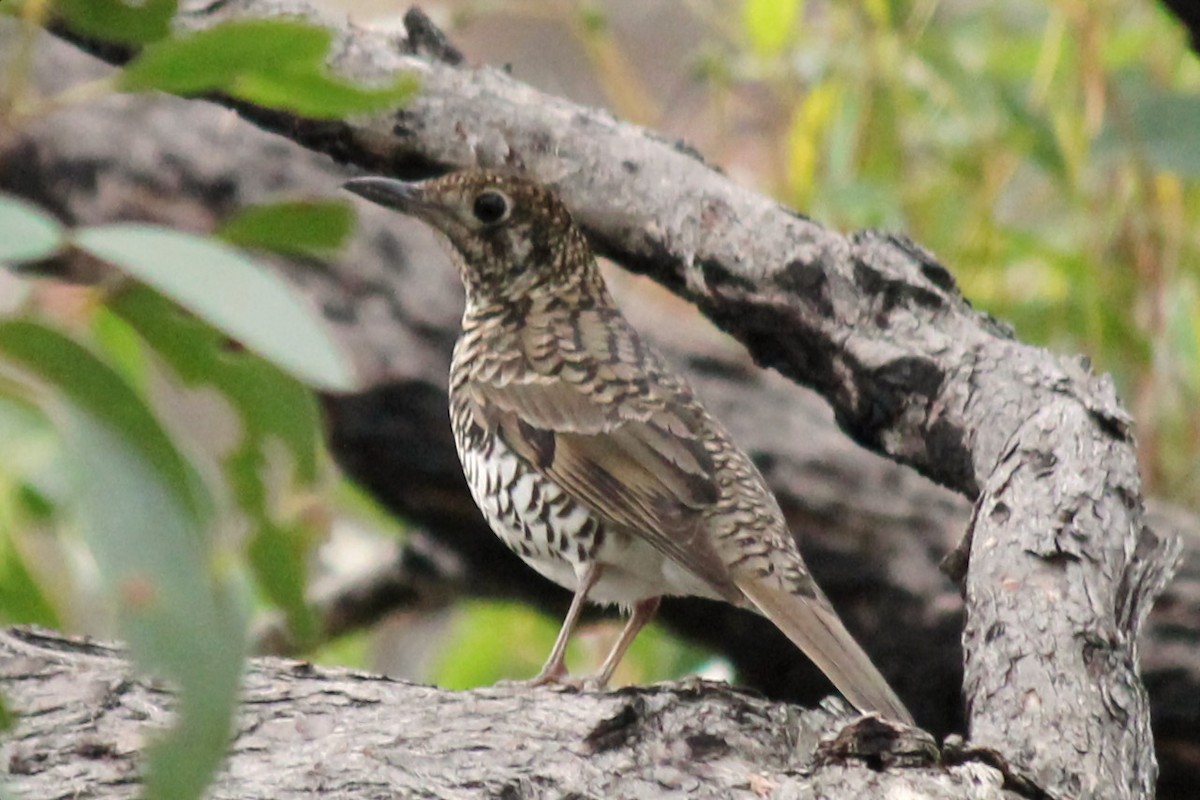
[
  {"x": 27, "y": 233},
  {"x": 495, "y": 641},
  {"x": 490, "y": 641},
  {"x": 279, "y": 556},
  {"x": 1183, "y": 328},
  {"x": 1161, "y": 127},
  {"x": 313, "y": 93},
  {"x": 769, "y": 23},
  {"x": 806, "y": 135},
  {"x": 881, "y": 148},
  {"x": 117, "y": 21},
  {"x": 21, "y": 599},
  {"x": 181, "y": 620},
  {"x": 7, "y": 720},
  {"x": 593, "y": 19},
  {"x": 272, "y": 468},
  {"x": 122, "y": 348},
  {"x": 351, "y": 650},
  {"x": 273, "y": 405},
  {"x": 275, "y": 63},
  {"x": 1035, "y": 130},
  {"x": 146, "y": 520},
  {"x": 230, "y": 291},
  {"x": 292, "y": 228},
  {"x": 213, "y": 59},
  {"x": 24, "y": 435},
  {"x": 31, "y": 468},
  {"x": 88, "y": 383}
]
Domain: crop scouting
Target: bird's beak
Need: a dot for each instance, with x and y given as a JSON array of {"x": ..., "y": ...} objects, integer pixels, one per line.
[{"x": 402, "y": 196}]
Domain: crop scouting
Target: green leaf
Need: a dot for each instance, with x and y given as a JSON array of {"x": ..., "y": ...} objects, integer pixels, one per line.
[
  {"x": 312, "y": 93},
  {"x": 1161, "y": 127},
  {"x": 146, "y": 523},
  {"x": 23, "y": 433},
  {"x": 275, "y": 63},
  {"x": 229, "y": 290},
  {"x": 506, "y": 641},
  {"x": 30, "y": 451},
  {"x": 319, "y": 96},
  {"x": 292, "y": 228},
  {"x": 279, "y": 556},
  {"x": 87, "y": 382},
  {"x": 212, "y": 59},
  {"x": 21, "y": 599},
  {"x": 7, "y": 718},
  {"x": 769, "y": 23},
  {"x": 1035, "y": 130},
  {"x": 115, "y": 21},
  {"x": 181, "y": 620},
  {"x": 27, "y": 233}
]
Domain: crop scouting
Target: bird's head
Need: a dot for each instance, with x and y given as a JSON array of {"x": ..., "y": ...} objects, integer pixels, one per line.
[{"x": 513, "y": 237}]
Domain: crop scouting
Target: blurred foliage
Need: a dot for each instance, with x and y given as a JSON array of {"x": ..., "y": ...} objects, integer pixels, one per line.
[
  {"x": 1048, "y": 153},
  {"x": 277, "y": 63},
  {"x": 164, "y": 475},
  {"x": 296, "y": 228}
]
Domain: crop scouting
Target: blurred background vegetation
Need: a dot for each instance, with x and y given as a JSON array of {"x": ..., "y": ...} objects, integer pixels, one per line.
[{"x": 1046, "y": 152}]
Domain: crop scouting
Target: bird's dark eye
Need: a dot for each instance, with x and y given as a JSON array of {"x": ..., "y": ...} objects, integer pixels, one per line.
[{"x": 490, "y": 207}]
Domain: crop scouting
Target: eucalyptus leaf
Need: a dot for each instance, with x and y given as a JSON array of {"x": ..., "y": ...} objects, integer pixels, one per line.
[
  {"x": 229, "y": 290},
  {"x": 1161, "y": 127},
  {"x": 22, "y": 601},
  {"x": 292, "y": 228},
  {"x": 116, "y": 21},
  {"x": 86, "y": 382},
  {"x": 147, "y": 524},
  {"x": 27, "y": 233},
  {"x": 769, "y": 23},
  {"x": 213, "y": 59},
  {"x": 275, "y": 63},
  {"x": 313, "y": 93}
]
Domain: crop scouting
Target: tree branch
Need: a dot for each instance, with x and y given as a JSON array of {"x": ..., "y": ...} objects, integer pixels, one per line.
[{"x": 304, "y": 731}]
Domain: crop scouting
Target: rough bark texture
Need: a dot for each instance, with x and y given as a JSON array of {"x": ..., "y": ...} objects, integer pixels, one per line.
[
  {"x": 309, "y": 732},
  {"x": 1059, "y": 569}
]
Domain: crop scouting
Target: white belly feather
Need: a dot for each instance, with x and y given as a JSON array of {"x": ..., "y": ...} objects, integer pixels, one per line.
[{"x": 556, "y": 536}]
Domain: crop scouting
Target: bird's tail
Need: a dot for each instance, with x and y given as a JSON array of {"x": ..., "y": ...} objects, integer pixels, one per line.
[{"x": 814, "y": 627}]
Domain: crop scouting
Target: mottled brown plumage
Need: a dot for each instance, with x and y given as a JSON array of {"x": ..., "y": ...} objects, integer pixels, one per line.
[{"x": 588, "y": 455}]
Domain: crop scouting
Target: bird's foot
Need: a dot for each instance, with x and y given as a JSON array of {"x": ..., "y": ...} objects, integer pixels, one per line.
[
  {"x": 593, "y": 683},
  {"x": 551, "y": 675},
  {"x": 560, "y": 680}
]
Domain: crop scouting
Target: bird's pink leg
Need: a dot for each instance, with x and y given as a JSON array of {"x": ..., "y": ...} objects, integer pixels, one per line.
[
  {"x": 643, "y": 612},
  {"x": 555, "y": 670}
]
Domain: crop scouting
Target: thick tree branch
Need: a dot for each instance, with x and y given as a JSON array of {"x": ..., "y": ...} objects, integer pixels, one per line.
[
  {"x": 309, "y": 732},
  {"x": 1060, "y": 563}
]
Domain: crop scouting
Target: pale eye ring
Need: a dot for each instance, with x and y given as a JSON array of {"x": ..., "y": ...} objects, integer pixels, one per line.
[{"x": 491, "y": 207}]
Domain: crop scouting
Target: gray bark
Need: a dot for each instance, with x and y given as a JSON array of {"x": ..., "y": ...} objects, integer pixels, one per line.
[
  {"x": 309, "y": 732},
  {"x": 1059, "y": 560}
]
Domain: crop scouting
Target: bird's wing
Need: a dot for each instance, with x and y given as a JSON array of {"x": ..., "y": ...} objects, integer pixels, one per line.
[{"x": 640, "y": 466}]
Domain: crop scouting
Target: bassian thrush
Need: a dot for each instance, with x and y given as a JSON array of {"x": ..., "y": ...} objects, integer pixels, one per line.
[{"x": 588, "y": 455}]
